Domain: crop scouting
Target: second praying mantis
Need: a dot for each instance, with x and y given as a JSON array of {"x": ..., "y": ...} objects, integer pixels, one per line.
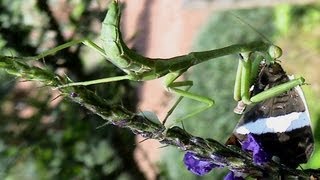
[{"x": 139, "y": 68}]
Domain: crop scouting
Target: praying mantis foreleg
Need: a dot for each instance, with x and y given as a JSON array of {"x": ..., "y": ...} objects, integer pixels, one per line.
[{"x": 248, "y": 68}]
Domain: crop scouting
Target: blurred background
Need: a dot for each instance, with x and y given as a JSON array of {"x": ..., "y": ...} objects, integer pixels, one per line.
[{"x": 44, "y": 137}]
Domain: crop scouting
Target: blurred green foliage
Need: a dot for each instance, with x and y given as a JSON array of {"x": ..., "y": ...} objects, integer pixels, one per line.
[
  {"x": 215, "y": 78},
  {"x": 42, "y": 138}
]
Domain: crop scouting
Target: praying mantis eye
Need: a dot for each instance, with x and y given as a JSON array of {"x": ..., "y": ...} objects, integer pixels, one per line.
[{"x": 274, "y": 51}]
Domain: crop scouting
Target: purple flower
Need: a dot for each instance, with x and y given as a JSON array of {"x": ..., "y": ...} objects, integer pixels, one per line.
[
  {"x": 198, "y": 165},
  {"x": 232, "y": 176},
  {"x": 259, "y": 155}
]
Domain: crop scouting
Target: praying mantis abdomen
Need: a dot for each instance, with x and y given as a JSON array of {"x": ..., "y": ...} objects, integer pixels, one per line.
[{"x": 115, "y": 49}]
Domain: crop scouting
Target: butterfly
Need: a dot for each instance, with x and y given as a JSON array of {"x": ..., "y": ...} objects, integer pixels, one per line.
[{"x": 280, "y": 124}]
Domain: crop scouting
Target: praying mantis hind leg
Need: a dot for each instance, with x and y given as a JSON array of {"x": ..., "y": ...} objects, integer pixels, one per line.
[
  {"x": 173, "y": 86},
  {"x": 54, "y": 50},
  {"x": 91, "y": 45}
]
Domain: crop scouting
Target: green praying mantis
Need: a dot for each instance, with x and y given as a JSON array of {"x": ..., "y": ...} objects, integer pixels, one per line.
[{"x": 139, "y": 68}]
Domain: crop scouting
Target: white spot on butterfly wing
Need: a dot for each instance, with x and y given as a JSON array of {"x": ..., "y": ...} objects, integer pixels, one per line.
[{"x": 282, "y": 123}]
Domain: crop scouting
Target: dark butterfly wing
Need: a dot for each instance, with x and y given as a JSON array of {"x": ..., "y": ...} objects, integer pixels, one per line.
[{"x": 281, "y": 124}]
